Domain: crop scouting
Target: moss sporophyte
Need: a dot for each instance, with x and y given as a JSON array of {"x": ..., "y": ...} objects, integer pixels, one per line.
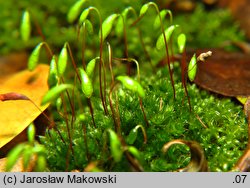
[{"x": 112, "y": 119}]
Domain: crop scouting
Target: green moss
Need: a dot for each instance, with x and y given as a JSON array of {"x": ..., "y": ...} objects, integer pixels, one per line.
[
  {"x": 75, "y": 142},
  {"x": 217, "y": 25},
  {"x": 223, "y": 140},
  {"x": 50, "y": 16},
  {"x": 206, "y": 29}
]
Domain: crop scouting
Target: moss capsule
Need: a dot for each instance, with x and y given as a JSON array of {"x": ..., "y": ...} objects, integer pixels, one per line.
[
  {"x": 87, "y": 87},
  {"x": 115, "y": 146},
  {"x": 31, "y": 133},
  {"x": 62, "y": 60},
  {"x": 84, "y": 15},
  {"x": 192, "y": 68},
  {"x": 160, "y": 43},
  {"x": 55, "y": 92},
  {"x": 132, "y": 85},
  {"x": 34, "y": 57},
  {"x": 53, "y": 75},
  {"x": 75, "y": 10},
  {"x": 144, "y": 9},
  {"x": 181, "y": 40},
  {"x": 25, "y": 28},
  {"x": 90, "y": 67},
  {"x": 13, "y": 156},
  {"x": 107, "y": 25}
]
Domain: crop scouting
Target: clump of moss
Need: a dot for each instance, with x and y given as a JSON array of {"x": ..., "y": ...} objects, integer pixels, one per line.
[
  {"x": 86, "y": 128},
  {"x": 49, "y": 17},
  {"x": 206, "y": 29},
  {"x": 199, "y": 26},
  {"x": 223, "y": 140}
]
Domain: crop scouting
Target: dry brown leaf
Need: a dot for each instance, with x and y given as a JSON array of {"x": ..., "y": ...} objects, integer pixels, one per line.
[
  {"x": 225, "y": 73},
  {"x": 198, "y": 162},
  {"x": 11, "y": 64},
  {"x": 16, "y": 115}
]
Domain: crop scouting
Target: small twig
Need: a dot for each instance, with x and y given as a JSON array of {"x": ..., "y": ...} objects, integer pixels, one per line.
[
  {"x": 144, "y": 114},
  {"x": 184, "y": 77},
  {"x": 85, "y": 141},
  {"x": 91, "y": 110},
  {"x": 199, "y": 119},
  {"x": 115, "y": 115}
]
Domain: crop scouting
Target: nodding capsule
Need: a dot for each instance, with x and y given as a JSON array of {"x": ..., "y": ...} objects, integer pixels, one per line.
[{"x": 203, "y": 56}]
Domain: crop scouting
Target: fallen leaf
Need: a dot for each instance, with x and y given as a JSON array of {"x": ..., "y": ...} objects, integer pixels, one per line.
[
  {"x": 16, "y": 115},
  {"x": 225, "y": 73},
  {"x": 9, "y": 65}
]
